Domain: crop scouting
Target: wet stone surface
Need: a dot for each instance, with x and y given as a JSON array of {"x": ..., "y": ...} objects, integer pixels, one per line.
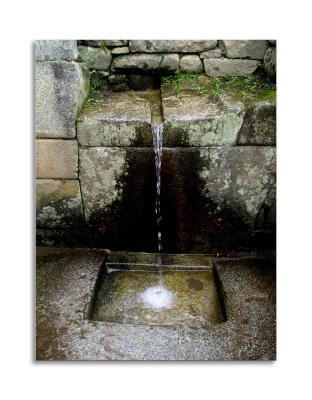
[
  {"x": 194, "y": 296},
  {"x": 120, "y": 119},
  {"x": 65, "y": 284}
]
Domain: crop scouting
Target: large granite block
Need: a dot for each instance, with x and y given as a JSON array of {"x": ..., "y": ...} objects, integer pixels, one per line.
[
  {"x": 56, "y": 158},
  {"x": 56, "y": 50},
  {"x": 60, "y": 90}
]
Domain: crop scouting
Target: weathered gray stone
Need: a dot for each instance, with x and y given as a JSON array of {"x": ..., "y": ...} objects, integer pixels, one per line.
[
  {"x": 121, "y": 119},
  {"x": 61, "y": 88},
  {"x": 239, "y": 178},
  {"x": 270, "y": 61},
  {"x": 95, "y": 58},
  {"x": 259, "y": 125},
  {"x": 215, "y": 53},
  {"x": 171, "y": 46},
  {"x": 254, "y": 49},
  {"x": 58, "y": 203},
  {"x": 192, "y": 120},
  {"x": 56, "y": 158},
  {"x": 170, "y": 62},
  {"x": 100, "y": 168},
  {"x": 104, "y": 43},
  {"x": 191, "y": 64},
  {"x": 120, "y": 50},
  {"x": 56, "y": 50},
  {"x": 141, "y": 82},
  {"x": 115, "y": 43},
  {"x": 226, "y": 67},
  {"x": 137, "y": 62}
]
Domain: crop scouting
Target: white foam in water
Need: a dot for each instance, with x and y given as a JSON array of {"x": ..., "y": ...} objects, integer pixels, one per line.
[{"x": 156, "y": 297}]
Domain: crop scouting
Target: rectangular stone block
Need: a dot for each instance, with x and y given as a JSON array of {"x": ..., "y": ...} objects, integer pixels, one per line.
[
  {"x": 56, "y": 50},
  {"x": 229, "y": 67},
  {"x": 137, "y": 62},
  {"x": 56, "y": 158},
  {"x": 171, "y": 46},
  {"x": 60, "y": 89},
  {"x": 200, "y": 120},
  {"x": 121, "y": 119},
  {"x": 254, "y": 49},
  {"x": 240, "y": 179},
  {"x": 58, "y": 204}
]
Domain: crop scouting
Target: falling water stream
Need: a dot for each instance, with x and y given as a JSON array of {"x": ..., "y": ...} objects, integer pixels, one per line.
[{"x": 158, "y": 297}]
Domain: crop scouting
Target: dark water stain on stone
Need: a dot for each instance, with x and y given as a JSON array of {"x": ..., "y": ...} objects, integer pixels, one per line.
[{"x": 194, "y": 284}]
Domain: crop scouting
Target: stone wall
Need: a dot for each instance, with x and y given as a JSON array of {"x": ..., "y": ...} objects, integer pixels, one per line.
[
  {"x": 95, "y": 166},
  {"x": 134, "y": 64}
]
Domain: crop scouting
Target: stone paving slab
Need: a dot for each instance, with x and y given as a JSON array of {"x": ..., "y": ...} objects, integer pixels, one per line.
[{"x": 65, "y": 284}]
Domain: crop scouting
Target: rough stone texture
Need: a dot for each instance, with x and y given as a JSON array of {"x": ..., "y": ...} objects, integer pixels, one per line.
[
  {"x": 141, "y": 82},
  {"x": 215, "y": 53},
  {"x": 171, "y": 46},
  {"x": 58, "y": 203},
  {"x": 65, "y": 280},
  {"x": 121, "y": 119},
  {"x": 170, "y": 62},
  {"x": 118, "y": 82},
  {"x": 259, "y": 125},
  {"x": 95, "y": 58},
  {"x": 137, "y": 62},
  {"x": 56, "y": 158},
  {"x": 60, "y": 90},
  {"x": 192, "y": 120},
  {"x": 115, "y": 43},
  {"x": 254, "y": 49},
  {"x": 226, "y": 67},
  {"x": 270, "y": 61},
  {"x": 191, "y": 64},
  {"x": 213, "y": 199},
  {"x": 108, "y": 43},
  {"x": 56, "y": 50},
  {"x": 100, "y": 168},
  {"x": 240, "y": 178},
  {"x": 120, "y": 50}
]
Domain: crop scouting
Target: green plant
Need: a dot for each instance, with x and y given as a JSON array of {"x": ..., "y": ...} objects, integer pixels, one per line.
[
  {"x": 95, "y": 81},
  {"x": 103, "y": 45}
]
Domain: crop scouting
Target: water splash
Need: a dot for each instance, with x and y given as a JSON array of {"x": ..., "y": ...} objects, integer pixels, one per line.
[{"x": 157, "y": 298}]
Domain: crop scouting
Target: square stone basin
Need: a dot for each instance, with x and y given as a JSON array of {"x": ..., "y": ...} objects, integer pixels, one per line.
[{"x": 137, "y": 293}]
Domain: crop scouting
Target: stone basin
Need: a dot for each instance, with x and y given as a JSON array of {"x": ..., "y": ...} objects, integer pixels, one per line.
[
  {"x": 192, "y": 291},
  {"x": 65, "y": 286}
]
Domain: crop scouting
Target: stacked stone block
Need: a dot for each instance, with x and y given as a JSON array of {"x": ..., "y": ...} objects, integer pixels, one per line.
[{"x": 61, "y": 87}]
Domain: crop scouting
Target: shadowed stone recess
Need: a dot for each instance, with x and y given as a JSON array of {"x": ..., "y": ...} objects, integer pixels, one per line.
[
  {"x": 181, "y": 46},
  {"x": 60, "y": 90},
  {"x": 229, "y": 67},
  {"x": 56, "y": 158},
  {"x": 58, "y": 204},
  {"x": 254, "y": 49},
  {"x": 56, "y": 50},
  {"x": 259, "y": 127},
  {"x": 122, "y": 119}
]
